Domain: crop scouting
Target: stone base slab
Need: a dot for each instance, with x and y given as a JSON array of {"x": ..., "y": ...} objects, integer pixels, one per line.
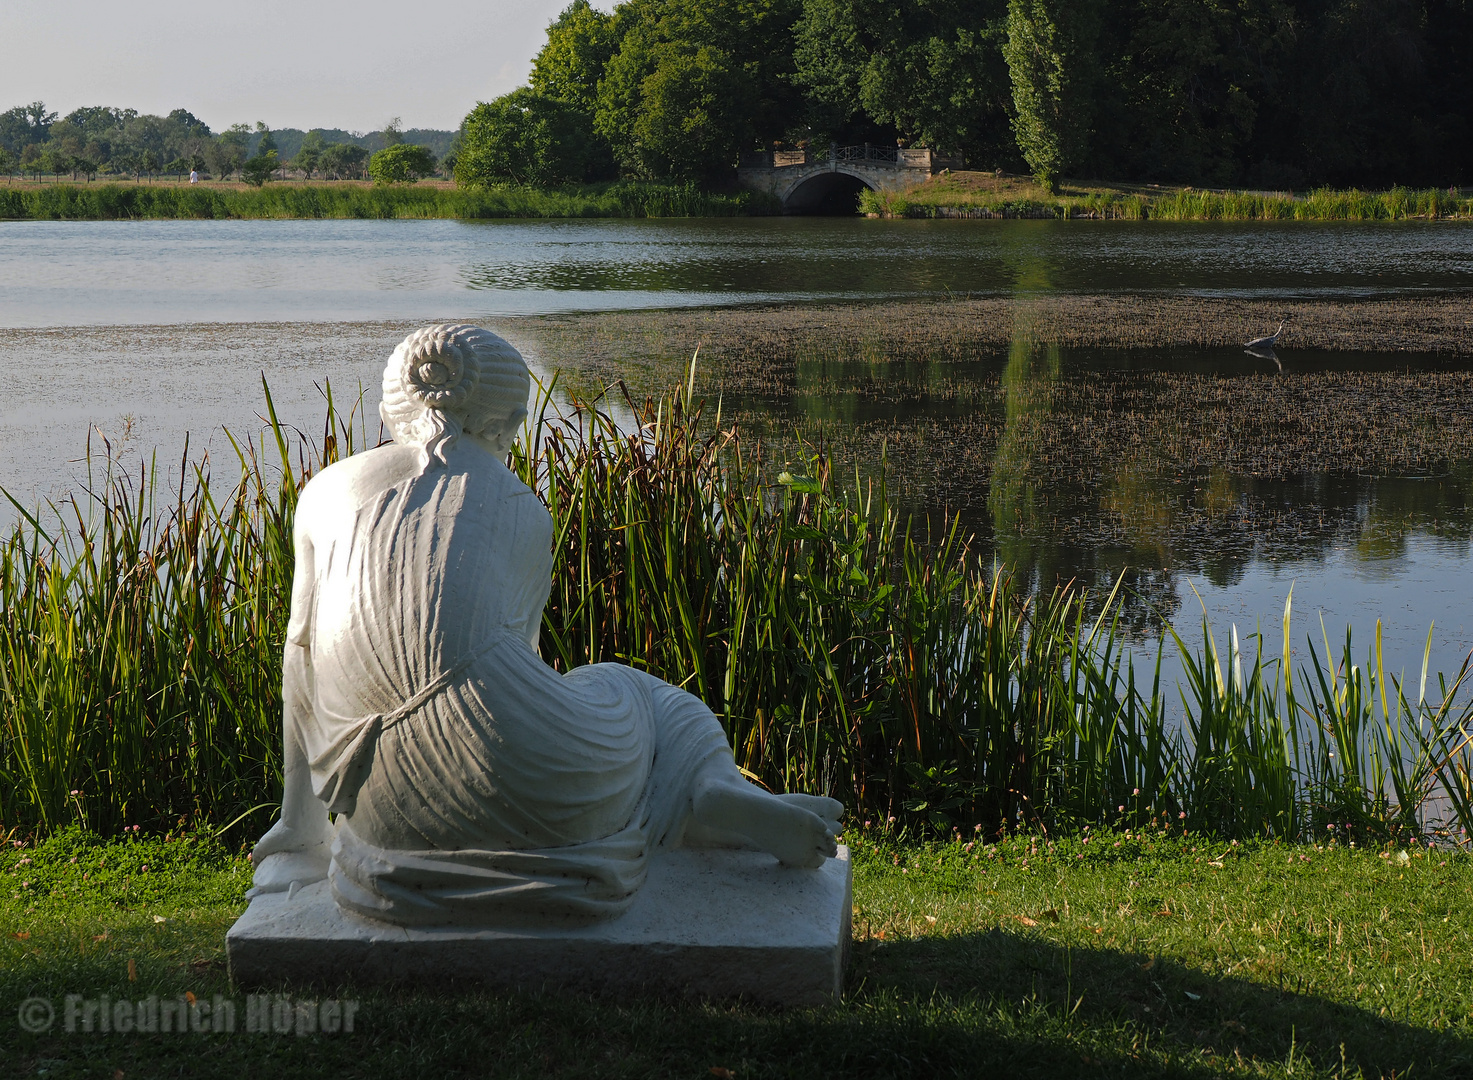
[{"x": 707, "y": 922}]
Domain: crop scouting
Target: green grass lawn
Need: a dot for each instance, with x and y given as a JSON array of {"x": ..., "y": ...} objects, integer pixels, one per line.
[{"x": 1128, "y": 956}]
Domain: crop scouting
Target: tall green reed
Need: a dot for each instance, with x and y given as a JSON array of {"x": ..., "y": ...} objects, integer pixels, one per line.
[
  {"x": 289, "y": 200},
  {"x": 140, "y": 641},
  {"x": 843, "y": 653}
]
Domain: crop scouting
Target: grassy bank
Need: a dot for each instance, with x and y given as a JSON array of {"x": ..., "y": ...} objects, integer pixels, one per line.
[
  {"x": 1147, "y": 954},
  {"x": 970, "y": 194},
  {"x": 107, "y": 202},
  {"x": 141, "y": 633}
]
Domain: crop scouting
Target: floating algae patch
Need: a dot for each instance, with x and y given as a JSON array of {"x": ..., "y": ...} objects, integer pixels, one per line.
[
  {"x": 1170, "y": 464},
  {"x": 758, "y": 346}
]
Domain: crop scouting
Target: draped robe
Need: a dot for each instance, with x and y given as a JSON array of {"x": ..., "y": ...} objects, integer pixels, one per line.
[{"x": 473, "y": 783}]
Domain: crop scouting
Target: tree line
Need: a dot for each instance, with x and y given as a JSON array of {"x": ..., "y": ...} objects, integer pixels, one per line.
[
  {"x": 1257, "y": 93},
  {"x": 106, "y": 141}
]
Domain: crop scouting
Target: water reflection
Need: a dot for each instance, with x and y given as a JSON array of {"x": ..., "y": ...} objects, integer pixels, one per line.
[{"x": 1172, "y": 466}]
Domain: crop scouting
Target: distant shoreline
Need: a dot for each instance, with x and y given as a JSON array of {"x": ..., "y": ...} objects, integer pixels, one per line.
[{"x": 962, "y": 195}]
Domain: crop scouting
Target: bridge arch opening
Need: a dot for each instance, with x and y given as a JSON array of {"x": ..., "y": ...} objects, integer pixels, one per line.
[{"x": 832, "y": 193}]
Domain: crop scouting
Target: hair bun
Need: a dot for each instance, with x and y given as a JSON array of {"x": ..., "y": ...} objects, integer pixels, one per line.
[{"x": 435, "y": 365}]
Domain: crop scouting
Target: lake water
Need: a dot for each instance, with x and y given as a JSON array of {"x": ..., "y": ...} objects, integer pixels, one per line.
[
  {"x": 152, "y": 272},
  {"x": 146, "y": 330}
]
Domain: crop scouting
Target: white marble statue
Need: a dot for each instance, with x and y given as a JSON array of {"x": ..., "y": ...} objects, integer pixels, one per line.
[{"x": 436, "y": 770}]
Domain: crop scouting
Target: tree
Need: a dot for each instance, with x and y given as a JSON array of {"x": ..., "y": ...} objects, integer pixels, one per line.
[
  {"x": 686, "y": 127},
  {"x": 258, "y": 169},
  {"x": 266, "y": 152},
  {"x": 227, "y": 153},
  {"x": 25, "y": 124},
  {"x": 50, "y": 160},
  {"x": 189, "y": 123},
  {"x": 7, "y": 163},
  {"x": 124, "y": 162},
  {"x": 393, "y": 133},
  {"x": 929, "y": 72},
  {"x": 452, "y": 155},
  {"x": 1050, "y": 54},
  {"x": 579, "y": 46},
  {"x": 343, "y": 161},
  {"x": 693, "y": 83},
  {"x": 401, "y": 163},
  {"x": 309, "y": 154},
  {"x": 1188, "y": 106},
  {"x": 529, "y": 138}
]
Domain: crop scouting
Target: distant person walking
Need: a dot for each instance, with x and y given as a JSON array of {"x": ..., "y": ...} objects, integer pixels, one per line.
[{"x": 193, "y": 176}]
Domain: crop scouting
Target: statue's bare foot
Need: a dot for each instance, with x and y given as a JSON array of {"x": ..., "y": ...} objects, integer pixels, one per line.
[
  {"x": 282, "y": 837},
  {"x": 831, "y": 810},
  {"x": 276, "y": 873},
  {"x": 284, "y": 855},
  {"x": 783, "y": 826}
]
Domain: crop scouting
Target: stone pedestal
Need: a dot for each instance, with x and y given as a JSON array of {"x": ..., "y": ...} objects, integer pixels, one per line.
[{"x": 709, "y": 923}]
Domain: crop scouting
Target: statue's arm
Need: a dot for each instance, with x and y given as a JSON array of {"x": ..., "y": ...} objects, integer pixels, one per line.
[{"x": 297, "y": 847}]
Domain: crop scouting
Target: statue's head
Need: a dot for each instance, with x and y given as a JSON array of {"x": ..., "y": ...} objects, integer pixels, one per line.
[{"x": 450, "y": 380}]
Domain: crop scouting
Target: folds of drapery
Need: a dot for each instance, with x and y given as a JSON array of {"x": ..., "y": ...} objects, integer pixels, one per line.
[
  {"x": 473, "y": 783},
  {"x": 576, "y": 881}
]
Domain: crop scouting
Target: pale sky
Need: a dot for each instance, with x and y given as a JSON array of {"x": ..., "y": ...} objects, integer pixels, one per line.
[{"x": 289, "y": 63}]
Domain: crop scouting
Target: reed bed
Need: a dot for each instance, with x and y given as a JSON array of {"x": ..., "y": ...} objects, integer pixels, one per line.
[
  {"x": 842, "y": 651},
  {"x": 111, "y": 201},
  {"x": 1187, "y": 204},
  {"x": 106, "y": 202}
]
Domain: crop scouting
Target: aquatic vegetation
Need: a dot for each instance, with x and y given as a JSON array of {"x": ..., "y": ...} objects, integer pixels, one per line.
[
  {"x": 845, "y": 650},
  {"x": 952, "y": 199},
  {"x": 630, "y": 198},
  {"x": 90, "y": 202}
]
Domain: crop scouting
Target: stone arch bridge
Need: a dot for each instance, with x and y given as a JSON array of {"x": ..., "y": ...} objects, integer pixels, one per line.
[{"x": 829, "y": 181}]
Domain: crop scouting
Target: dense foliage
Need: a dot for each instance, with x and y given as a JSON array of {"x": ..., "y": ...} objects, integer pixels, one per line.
[
  {"x": 1265, "y": 93},
  {"x": 527, "y": 137},
  {"x": 402, "y": 163},
  {"x": 104, "y": 141}
]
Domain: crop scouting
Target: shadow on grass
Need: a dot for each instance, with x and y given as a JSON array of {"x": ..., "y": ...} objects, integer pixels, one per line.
[
  {"x": 1182, "y": 1010},
  {"x": 995, "y": 1003}
]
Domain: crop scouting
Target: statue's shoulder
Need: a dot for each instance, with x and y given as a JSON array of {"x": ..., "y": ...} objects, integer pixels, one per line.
[{"x": 344, "y": 485}]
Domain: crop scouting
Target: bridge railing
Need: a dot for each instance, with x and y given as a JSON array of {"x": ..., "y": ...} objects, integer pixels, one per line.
[{"x": 867, "y": 153}]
